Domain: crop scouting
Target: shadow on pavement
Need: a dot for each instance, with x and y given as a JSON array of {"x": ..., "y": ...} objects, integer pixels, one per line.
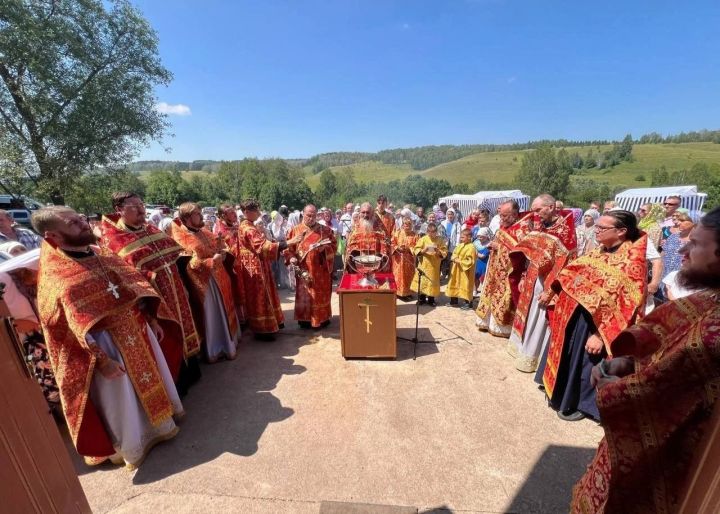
[
  {"x": 548, "y": 488},
  {"x": 228, "y": 410},
  {"x": 426, "y": 344}
]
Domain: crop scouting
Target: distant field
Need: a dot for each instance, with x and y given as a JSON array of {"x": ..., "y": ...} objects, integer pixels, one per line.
[
  {"x": 368, "y": 171},
  {"x": 502, "y": 167}
]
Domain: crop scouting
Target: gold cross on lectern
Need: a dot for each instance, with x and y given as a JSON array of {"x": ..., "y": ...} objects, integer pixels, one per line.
[{"x": 366, "y": 303}]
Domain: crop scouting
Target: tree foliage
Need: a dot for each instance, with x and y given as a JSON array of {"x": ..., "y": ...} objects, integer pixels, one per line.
[
  {"x": 92, "y": 192},
  {"x": 545, "y": 171},
  {"x": 76, "y": 86}
]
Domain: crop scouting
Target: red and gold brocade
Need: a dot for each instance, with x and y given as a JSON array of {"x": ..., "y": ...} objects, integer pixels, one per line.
[
  {"x": 73, "y": 300},
  {"x": 655, "y": 418},
  {"x": 546, "y": 251},
  {"x": 155, "y": 255},
  {"x": 611, "y": 286},
  {"x": 388, "y": 222},
  {"x": 232, "y": 242},
  {"x": 262, "y": 304},
  {"x": 500, "y": 287},
  {"x": 403, "y": 260},
  {"x": 201, "y": 245},
  {"x": 364, "y": 241},
  {"x": 313, "y": 295}
]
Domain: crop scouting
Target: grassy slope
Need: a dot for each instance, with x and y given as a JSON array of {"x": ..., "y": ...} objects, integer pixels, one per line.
[{"x": 501, "y": 167}]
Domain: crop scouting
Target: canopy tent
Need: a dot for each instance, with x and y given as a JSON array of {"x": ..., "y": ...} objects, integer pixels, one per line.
[
  {"x": 632, "y": 199},
  {"x": 486, "y": 200}
]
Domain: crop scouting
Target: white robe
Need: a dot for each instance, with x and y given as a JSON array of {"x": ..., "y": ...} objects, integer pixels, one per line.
[
  {"x": 131, "y": 433},
  {"x": 537, "y": 334},
  {"x": 218, "y": 340}
]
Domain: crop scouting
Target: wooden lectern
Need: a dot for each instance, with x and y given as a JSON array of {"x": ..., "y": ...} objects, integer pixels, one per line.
[
  {"x": 367, "y": 317},
  {"x": 36, "y": 474}
]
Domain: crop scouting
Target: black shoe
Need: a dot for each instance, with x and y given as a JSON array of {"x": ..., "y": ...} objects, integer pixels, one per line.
[
  {"x": 453, "y": 302},
  {"x": 304, "y": 324},
  {"x": 573, "y": 415},
  {"x": 281, "y": 325},
  {"x": 421, "y": 301},
  {"x": 431, "y": 303},
  {"x": 266, "y": 336},
  {"x": 325, "y": 323}
]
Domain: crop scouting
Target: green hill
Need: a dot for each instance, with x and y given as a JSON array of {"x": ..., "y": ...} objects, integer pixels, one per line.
[{"x": 502, "y": 167}]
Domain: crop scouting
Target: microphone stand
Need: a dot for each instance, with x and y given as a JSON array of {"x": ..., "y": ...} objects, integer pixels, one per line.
[{"x": 414, "y": 340}]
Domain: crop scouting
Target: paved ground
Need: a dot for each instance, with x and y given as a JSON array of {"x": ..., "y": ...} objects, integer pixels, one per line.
[{"x": 291, "y": 424}]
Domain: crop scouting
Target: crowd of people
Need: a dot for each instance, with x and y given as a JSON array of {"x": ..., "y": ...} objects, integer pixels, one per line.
[{"x": 115, "y": 315}]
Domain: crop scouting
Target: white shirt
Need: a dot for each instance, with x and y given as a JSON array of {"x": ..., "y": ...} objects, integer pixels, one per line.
[
  {"x": 345, "y": 224},
  {"x": 672, "y": 286}
]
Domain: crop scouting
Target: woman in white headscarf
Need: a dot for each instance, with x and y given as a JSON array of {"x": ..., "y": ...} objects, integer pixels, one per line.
[
  {"x": 11, "y": 249},
  {"x": 586, "y": 241}
]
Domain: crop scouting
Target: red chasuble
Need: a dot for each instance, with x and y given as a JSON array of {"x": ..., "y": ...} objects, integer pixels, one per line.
[
  {"x": 264, "y": 312},
  {"x": 155, "y": 255},
  {"x": 77, "y": 296},
  {"x": 547, "y": 251},
  {"x": 611, "y": 286},
  {"x": 500, "y": 288},
  {"x": 388, "y": 222},
  {"x": 201, "y": 246},
  {"x": 403, "y": 260},
  {"x": 315, "y": 254},
  {"x": 654, "y": 418},
  {"x": 230, "y": 236},
  {"x": 363, "y": 241}
]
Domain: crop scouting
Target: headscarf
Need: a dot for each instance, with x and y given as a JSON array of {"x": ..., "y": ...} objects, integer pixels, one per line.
[
  {"x": 439, "y": 214},
  {"x": 593, "y": 213},
  {"x": 484, "y": 231},
  {"x": 655, "y": 215},
  {"x": 7, "y": 248},
  {"x": 155, "y": 216},
  {"x": 294, "y": 219},
  {"x": 164, "y": 224},
  {"x": 273, "y": 214}
]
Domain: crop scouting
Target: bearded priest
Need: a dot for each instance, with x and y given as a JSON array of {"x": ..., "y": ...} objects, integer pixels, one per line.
[
  {"x": 155, "y": 255},
  {"x": 103, "y": 324},
  {"x": 209, "y": 280}
]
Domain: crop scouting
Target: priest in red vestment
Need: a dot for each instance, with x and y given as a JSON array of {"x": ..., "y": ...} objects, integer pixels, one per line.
[
  {"x": 155, "y": 255},
  {"x": 500, "y": 293},
  {"x": 657, "y": 394},
  {"x": 368, "y": 236},
  {"x": 549, "y": 244},
  {"x": 264, "y": 312},
  {"x": 599, "y": 295},
  {"x": 312, "y": 256},
  {"x": 226, "y": 227},
  {"x": 103, "y": 323},
  {"x": 208, "y": 275}
]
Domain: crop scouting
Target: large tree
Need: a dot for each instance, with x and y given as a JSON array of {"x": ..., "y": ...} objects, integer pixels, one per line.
[
  {"x": 76, "y": 86},
  {"x": 543, "y": 171}
]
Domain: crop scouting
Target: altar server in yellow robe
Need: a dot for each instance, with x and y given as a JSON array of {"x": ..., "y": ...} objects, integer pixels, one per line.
[
  {"x": 462, "y": 273},
  {"x": 431, "y": 250}
]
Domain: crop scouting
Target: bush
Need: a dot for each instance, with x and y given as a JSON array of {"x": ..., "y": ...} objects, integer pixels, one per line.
[{"x": 640, "y": 178}]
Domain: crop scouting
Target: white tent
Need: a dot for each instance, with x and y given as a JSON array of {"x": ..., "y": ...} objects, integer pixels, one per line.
[
  {"x": 486, "y": 200},
  {"x": 632, "y": 199}
]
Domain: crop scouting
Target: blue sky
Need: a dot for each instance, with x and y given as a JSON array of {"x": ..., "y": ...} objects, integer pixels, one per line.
[{"x": 271, "y": 78}]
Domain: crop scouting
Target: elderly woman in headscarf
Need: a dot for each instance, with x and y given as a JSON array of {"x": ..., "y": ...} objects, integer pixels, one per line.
[
  {"x": 20, "y": 278},
  {"x": 650, "y": 216},
  {"x": 586, "y": 241},
  {"x": 439, "y": 214}
]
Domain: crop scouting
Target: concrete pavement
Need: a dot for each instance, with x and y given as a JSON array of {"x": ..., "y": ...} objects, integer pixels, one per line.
[{"x": 290, "y": 424}]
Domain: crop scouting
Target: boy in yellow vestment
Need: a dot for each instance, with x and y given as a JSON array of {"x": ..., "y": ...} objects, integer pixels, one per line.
[
  {"x": 462, "y": 274},
  {"x": 431, "y": 250}
]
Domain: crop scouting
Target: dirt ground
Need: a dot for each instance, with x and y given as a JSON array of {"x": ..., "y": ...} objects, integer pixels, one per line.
[{"x": 290, "y": 424}]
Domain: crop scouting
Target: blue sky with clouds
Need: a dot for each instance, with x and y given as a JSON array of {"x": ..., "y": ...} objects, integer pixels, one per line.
[{"x": 294, "y": 78}]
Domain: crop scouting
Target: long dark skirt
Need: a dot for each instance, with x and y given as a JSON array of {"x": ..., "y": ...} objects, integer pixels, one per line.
[{"x": 572, "y": 389}]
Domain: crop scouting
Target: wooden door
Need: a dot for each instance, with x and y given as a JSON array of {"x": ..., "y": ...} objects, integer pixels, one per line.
[{"x": 36, "y": 474}]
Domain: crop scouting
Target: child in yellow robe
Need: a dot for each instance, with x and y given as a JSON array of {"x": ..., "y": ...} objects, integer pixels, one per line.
[
  {"x": 431, "y": 250},
  {"x": 462, "y": 273}
]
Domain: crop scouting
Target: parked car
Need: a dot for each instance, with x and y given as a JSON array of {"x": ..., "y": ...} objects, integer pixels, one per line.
[{"x": 20, "y": 216}]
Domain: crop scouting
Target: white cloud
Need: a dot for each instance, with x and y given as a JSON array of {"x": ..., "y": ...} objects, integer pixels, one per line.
[{"x": 176, "y": 109}]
